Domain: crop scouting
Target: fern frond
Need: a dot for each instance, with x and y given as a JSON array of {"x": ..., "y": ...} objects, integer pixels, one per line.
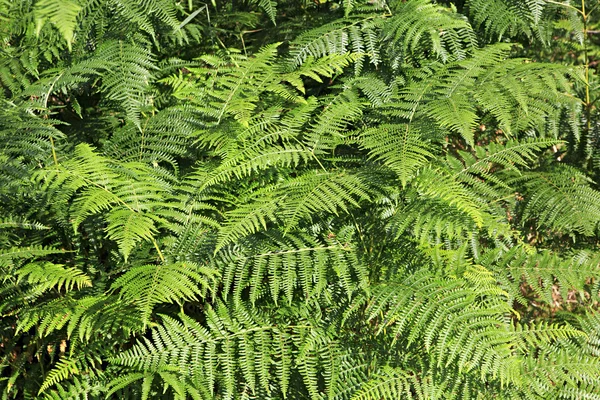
[
  {"x": 9, "y": 256},
  {"x": 128, "y": 77},
  {"x": 129, "y": 191},
  {"x": 47, "y": 275},
  {"x": 544, "y": 272},
  {"x": 508, "y": 18},
  {"x": 398, "y": 147},
  {"x": 302, "y": 197},
  {"x": 562, "y": 199},
  {"x": 149, "y": 285},
  {"x": 420, "y": 26},
  {"x": 192, "y": 352},
  {"x": 282, "y": 265},
  {"x": 357, "y": 34},
  {"x": 61, "y": 13}
]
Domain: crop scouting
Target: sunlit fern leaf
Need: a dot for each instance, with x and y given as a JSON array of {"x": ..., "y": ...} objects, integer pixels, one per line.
[
  {"x": 269, "y": 7},
  {"x": 61, "y": 13},
  {"x": 79, "y": 388},
  {"x": 317, "y": 191},
  {"x": 24, "y": 135},
  {"x": 126, "y": 381},
  {"x": 10, "y": 255},
  {"x": 281, "y": 265},
  {"x": 546, "y": 273},
  {"x": 521, "y": 94},
  {"x": 508, "y": 18},
  {"x": 425, "y": 219},
  {"x": 459, "y": 327},
  {"x": 561, "y": 199},
  {"x": 80, "y": 365},
  {"x": 164, "y": 138},
  {"x": 234, "y": 85},
  {"x": 124, "y": 192},
  {"x": 390, "y": 383},
  {"x": 140, "y": 12},
  {"x": 128, "y": 77},
  {"x": 590, "y": 324},
  {"x": 418, "y": 27},
  {"x": 21, "y": 223},
  {"x": 357, "y": 34},
  {"x": 149, "y": 285},
  {"x": 340, "y": 111},
  {"x": 565, "y": 366},
  {"x": 47, "y": 275},
  {"x": 248, "y": 219},
  {"x": 81, "y": 319},
  {"x": 398, "y": 147},
  {"x": 128, "y": 227},
  {"x": 509, "y": 155},
  {"x": 316, "y": 69},
  {"x": 216, "y": 354},
  {"x": 299, "y": 198},
  {"x": 435, "y": 183},
  {"x": 253, "y": 159}
]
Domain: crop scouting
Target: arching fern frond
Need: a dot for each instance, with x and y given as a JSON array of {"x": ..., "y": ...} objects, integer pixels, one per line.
[
  {"x": 290, "y": 266},
  {"x": 61, "y": 13},
  {"x": 562, "y": 200},
  {"x": 149, "y": 285},
  {"x": 128, "y": 191},
  {"x": 357, "y": 34},
  {"x": 546, "y": 274},
  {"x": 419, "y": 27},
  {"x": 302, "y": 197},
  {"x": 47, "y": 275},
  {"x": 236, "y": 344},
  {"x": 399, "y": 147},
  {"x": 508, "y": 18}
]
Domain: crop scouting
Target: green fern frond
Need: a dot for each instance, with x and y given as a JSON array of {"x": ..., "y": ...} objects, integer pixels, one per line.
[
  {"x": 47, "y": 275},
  {"x": 299, "y": 198},
  {"x": 149, "y": 285},
  {"x": 545, "y": 273},
  {"x": 283, "y": 265},
  {"x": 390, "y": 383},
  {"x": 420, "y": 26},
  {"x": 62, "y": 13},
  {"x": 398, "y": 147},
  {"x": 79, "y": 388},
  {"x": 561, "y": 199},
  {"x": 357, "y": 34},
  {"x": 10, "y": 255},
  {"x": 128, "y": 77},
  {"x": 191, "y": 352},
  {"x": 128, "y": 190},
  {"x": 21, "y": 223},
  {"x": 509, "y": 18}
]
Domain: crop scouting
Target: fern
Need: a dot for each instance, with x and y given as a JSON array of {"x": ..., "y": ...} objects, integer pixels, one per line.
[
  {"x": 421, "y": 26},
  {"x": 561, "y": 200},
  {"x": 192, "y": 351},
  {"x": 280, "y": 266},
  {"x": 63, "y": 14},
  {"x": 149, "y": 285},
  {"x": 305, "y": 200}
]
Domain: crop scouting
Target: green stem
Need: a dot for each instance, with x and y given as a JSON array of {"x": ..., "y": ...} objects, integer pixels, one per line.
[{"x": 588, "y": 108}]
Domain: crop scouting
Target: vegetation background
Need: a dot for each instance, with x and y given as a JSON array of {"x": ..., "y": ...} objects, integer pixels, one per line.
[{"x": 299, "y": 199}]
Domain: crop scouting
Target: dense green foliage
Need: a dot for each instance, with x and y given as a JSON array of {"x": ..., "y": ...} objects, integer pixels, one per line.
[{"x": 259, "y": 199}]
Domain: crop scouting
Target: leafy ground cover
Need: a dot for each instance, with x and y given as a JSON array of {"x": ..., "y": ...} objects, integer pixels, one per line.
[{"x": 257, "y": 199}]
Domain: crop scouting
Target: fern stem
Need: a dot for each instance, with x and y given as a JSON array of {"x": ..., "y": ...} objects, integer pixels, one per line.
[
  {"x": 53, "y": 151},
  {"x": 160, "y": 254},
  {"x": 588, "y": 108},
  {"x": 566, "y": 5}
]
